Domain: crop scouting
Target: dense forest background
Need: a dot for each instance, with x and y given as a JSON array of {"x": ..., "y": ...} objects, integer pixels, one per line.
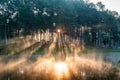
[{"x": 80, "y": 19}]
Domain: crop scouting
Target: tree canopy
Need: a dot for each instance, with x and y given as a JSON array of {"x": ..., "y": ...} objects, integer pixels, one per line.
[{"x": 32, "y": 15}]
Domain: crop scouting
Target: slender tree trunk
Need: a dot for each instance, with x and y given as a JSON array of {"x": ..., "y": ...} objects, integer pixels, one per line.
[{"x": 5, "y": 34}]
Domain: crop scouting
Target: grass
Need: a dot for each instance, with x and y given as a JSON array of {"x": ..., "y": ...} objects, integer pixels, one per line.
[
  {"x": 42, "y": 49},
  {"x": 106, "y": 50},
  {"x": 86, "y": 50},
  {"x": 13, "y": 48},
  {"x": 101, "y": 50}
]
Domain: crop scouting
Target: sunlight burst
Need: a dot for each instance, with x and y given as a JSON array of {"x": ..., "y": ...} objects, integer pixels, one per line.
[{"x": 61, "y": 69}]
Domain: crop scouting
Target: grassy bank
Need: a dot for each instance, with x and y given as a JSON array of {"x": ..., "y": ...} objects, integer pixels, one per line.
[
  {"x": 101, "y": 50},
  {"x": 15, "y": 47}
]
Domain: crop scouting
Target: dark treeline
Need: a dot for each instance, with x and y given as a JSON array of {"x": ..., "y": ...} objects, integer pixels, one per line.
[{"x": 82, "y": 19}]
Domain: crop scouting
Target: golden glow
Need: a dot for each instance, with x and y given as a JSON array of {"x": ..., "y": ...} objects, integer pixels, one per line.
[
  {"x": 58, "y": 30},
  {"x": 61, "y": 69},
  {"x": 48, "y": 68}
]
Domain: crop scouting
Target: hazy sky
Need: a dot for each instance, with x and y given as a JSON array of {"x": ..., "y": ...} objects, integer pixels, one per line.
[{"x": 110, "y": 4}]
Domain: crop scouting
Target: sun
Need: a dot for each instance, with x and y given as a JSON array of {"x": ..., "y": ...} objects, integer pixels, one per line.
[{"x": 61, "y": 69}]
